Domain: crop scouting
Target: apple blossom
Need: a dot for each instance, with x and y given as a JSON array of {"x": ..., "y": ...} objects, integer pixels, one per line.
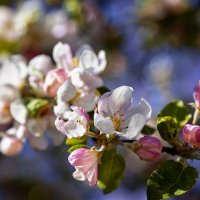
[
  {"x": 150, "y": 148},
  {"x": 91, "y": 62},
  {"x": 85, "y": 162},
  {"x": 54, "y": 79},
  {"x": 191, "y": 135},
  {"x": 116, "y": 113},
  {"x": 74, "y": 123}
]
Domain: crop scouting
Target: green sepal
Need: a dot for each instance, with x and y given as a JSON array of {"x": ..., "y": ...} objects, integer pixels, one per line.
[
  {"x": 75, "y": 141},
  {"x": 37, "y": 107},
  {"x": 78, "y": 146}
]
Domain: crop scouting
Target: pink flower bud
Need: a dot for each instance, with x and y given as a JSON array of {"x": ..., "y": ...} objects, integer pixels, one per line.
[
  {"x": 54, "y": 79},
  {"x": 85, "y": 162},
  {"x": 191, "y": 135},
  {"x": 196, "y": 94},
  {"x": 10, "y": 146},
  {"x": 150, "y": 149}
]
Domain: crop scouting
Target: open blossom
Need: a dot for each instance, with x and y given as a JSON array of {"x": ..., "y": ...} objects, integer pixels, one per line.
[
  {"x": 116, "y": 113},
  {"x": 73, "y": 123},
  {"x": 196, "y": 94},
  {"x": 85, "y": 99},
  {"x": 150, "y": 148},
  {"x": 191, "y": 135},
  {"x": 91, "y": 62},
  {"x": 85, "y": 162},
  {"x": 54, "y": 79}
]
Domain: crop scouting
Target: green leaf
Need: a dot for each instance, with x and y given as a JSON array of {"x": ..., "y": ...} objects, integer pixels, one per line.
[
  {"x": 170, "y": 179},
  {"x": 75, "y": 141},
  {"x": 167, "y": 128},
  {"x": 111, "y": 171},
  {"x": 78, "y": 146},
  {"x": 148, "y": 130},
  {"x": 178, "y": 111},
  {"x": 37, "y": 107}
]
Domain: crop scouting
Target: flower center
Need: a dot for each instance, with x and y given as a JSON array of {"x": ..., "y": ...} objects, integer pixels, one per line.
[{"x": 117, "y": 121}]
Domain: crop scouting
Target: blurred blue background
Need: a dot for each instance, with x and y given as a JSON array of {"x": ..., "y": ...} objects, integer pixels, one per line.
[{"x": 153, "y": 47}]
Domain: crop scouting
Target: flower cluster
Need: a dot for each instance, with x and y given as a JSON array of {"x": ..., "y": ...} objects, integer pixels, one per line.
[
  {"x": 75, "y": 85},
  {"x": 42, "y": 101},
  {"x": 72, "y": 94}
]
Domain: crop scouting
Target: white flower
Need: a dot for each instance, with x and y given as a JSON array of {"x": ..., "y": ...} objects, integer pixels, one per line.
[
  {"x": 69, "y": 93},
  {"x": 74, "y": 123},
  {"x": 116, "y": 113}
]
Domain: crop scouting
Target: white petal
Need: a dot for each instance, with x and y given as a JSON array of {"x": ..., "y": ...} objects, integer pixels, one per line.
[
  {"x": 60, "y": 109},
  {"x": 18, "y": 111},
  {"x": 75, "y": 129},
  {"x": 41, "y": 63},
  {"x": 86, "y": 100},
  {"x": 85, "y": 80},
  {"x": 120, "y": 99},
  {"x": 15, "y": 68},
  {"x": 62, "y": 55},
  {"x": 143, "y": 108},
  {"x": 103, "y": 105},
  {"x": 78, "y": 175},
  {"x": 102, "y": 62},
  {"x": 66, "y": 92},
  {"x": 8, "y": 92},
  {"x": 135, "y": 126},
  {"x": 105, "y": 125},
  {"x": 88, "y": 60}
]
